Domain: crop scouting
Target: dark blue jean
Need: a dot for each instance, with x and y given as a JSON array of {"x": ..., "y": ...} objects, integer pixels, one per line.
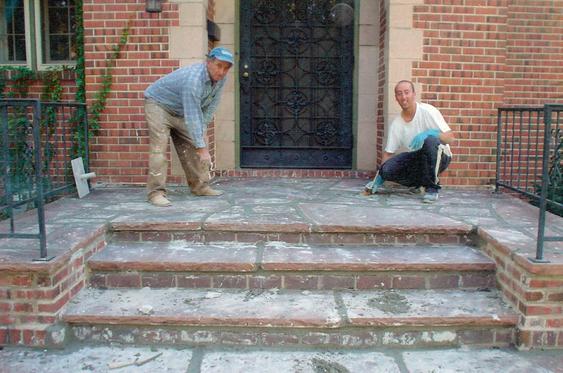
[{"x": 417, "y": 168}]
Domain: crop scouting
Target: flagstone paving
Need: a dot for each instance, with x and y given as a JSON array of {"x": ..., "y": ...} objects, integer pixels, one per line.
[
  {"x": 288, "y": 205},
  {"x": 103, "y": 359}
]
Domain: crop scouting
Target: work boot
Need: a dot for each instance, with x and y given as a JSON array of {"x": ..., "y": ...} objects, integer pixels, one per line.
[
  {"x": 207, "y": 191},
  {"x": 158, "y": 199}
]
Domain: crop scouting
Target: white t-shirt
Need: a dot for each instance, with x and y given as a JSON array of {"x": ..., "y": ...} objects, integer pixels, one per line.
[{"x": 426, "y": 117}]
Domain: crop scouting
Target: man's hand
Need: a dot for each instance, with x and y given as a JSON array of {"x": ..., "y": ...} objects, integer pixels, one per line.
[
  {"x": 203, "y": 154},
  {"x": 418, "y": 140}
]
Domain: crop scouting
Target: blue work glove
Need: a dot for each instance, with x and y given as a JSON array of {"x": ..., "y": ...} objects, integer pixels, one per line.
[
  {"x": 374, "y": 185},
  {"x": 418, "y": 140}
]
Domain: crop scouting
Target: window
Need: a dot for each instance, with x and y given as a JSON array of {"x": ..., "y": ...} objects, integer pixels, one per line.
[{"x": 37, "y": 33}]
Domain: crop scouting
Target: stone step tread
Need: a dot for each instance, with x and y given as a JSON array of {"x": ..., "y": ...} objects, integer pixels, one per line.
[
  {"x": 253, "y": 360},
  {"x": 281, "y": 256},
  {"x": 289, "y": 308}
]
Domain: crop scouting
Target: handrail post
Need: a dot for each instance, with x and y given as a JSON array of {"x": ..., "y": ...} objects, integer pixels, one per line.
[
  {"x": 544, "y": 184},
  {"x": 499, "y": 134},
  {"x": 39, "y": 201}
]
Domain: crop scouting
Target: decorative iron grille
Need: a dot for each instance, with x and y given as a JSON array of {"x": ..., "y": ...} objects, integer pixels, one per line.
[{"x": 296, "y": 73}]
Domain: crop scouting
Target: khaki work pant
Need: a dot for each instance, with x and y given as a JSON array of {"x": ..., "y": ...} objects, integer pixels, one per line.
[{"x": 162, "y": 125}]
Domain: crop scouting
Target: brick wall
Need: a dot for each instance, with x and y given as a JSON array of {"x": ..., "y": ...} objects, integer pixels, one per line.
[
  {"x": 480, "y": 55},
  {"x": 462, "y": 74},
  {"x": 534, "y": 62},
  {"x": 31, "y": 297},
  {"x": 382, "y": 79},
  {"x": 120, "y": 150},
  {"x": 477, "y": 56},
  {"x": 36, "y": 87},
  {"x": 534, "y": 290}
]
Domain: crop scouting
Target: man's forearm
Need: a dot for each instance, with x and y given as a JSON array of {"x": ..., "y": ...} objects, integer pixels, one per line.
[
  {"x": 386, "y": 156},
  {"x": 447, "y": 137}
]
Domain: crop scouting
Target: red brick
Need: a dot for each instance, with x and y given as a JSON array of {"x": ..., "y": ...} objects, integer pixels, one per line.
[
  {"x": 533, "y": 295},
  {"x": 5, "y": 294},
  {"x": 300, "y": 282},
  {"x": 4, "y": 340},
  {"x": 486, "y": 280},
  {"x": 476, "y": 336},
  {"x": 63, "y": 272},
  {"x": 5, "y": 307},
  {"x": 336, "y": 282},
  {"x": 156, "y": 236},
  {"x": 127, "y": 236},
  {"x": 278, "y": 339},
  {"x": 159, "y": 280},
  {"x": 350, "y": 238},
  {"x": 54, "y": 306},
  {"x": 98, "y": 280},
  {"x": 15, "y": 280},
  {"x": 443, "y": 239},
  {"x": 318, "y": 238},
  {"x": 194, "y": 281},
  {"x": 443, "y": 281},
  {"x": 555, "y": 297},
  {"x": 408, "y": 282},
  {"x": 23, "y": 307},
  {"x": 230, "y": 281},
  {"x": 536, "y": 310},
  {"x": 265, "y": 282},
  {"x": 212, "y": 236},
  {"x": 374, "y": 282},
  {"x": 123, "y": 280},
  {"x": 250, "y": 237},
  {"x": 554, "y": 323}
]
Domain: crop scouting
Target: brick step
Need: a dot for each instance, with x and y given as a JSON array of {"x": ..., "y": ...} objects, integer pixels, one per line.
[
  {"x": 289, "y": 266},
  {"x": 294, "y": 233},
  {"x": 291, "y": 317}
]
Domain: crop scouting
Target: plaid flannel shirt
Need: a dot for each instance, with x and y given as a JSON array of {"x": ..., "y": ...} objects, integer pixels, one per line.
[{"x": 188, "y": 92}]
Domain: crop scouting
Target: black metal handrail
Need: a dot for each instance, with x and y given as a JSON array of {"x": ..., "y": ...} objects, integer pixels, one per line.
[
  {"x": 38, "y": 142},
  {"x": 529, "y": 156}
]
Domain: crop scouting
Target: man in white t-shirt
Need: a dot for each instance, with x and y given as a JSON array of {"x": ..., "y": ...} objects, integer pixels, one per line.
[{"x": 422, "y": 130}]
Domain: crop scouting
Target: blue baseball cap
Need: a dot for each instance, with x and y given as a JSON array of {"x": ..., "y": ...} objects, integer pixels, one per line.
[{"x": 222, "y": 54}]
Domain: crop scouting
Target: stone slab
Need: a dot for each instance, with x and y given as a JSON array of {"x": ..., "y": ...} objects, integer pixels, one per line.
[
  {"x": 360, "y": 218},
  {"x": 282, "y": 256},
  {"x": 199, "y": 307},
  {"x": 427, "y": 307},
  {"x": 176, "y": 255},
  {"x": 262, "y": 360},
  {"x": 95, "y": 359},
  {"x": 297, "y": 361},
  {"x": 471, "y": 361}
]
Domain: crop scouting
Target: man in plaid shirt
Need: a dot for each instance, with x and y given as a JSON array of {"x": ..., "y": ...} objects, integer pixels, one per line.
[{"x": 180, "y": 105}]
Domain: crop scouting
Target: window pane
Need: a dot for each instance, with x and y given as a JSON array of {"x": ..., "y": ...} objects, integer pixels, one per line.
[
  {"x": 58, "y": 29},
  {"x": 58, "y": 21},
  {"x": 12, "y": 32},
  {"x": 59, "y": 3},
  {"x": 19, "y": 21},
  {"x": 59, "y": 48},
  {"x": 20, "y": 48}
]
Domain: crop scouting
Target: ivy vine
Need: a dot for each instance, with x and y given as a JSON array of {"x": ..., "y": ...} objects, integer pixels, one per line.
[{"x": 100, "y": 98}]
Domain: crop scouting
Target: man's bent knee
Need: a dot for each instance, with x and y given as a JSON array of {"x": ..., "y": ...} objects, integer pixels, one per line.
[{"x": 431, "y": 142}]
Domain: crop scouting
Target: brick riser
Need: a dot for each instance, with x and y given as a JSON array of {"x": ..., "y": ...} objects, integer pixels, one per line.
[
  {"x": 293, "y": 280},
  {"x": 432, "y": 336},
  {"x": 400, "y": 237}
]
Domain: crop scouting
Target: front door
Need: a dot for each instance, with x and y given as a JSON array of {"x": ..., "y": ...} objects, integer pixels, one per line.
[{"x": 296, "y": 70}]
